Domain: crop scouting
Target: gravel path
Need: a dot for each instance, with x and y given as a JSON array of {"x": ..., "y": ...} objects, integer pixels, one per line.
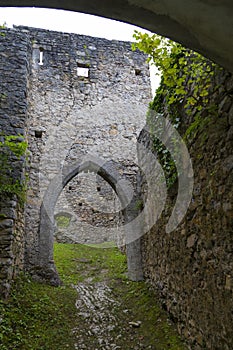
[
  {"x": 105, "y": 322},
  {"x": 95, "y": 305}
]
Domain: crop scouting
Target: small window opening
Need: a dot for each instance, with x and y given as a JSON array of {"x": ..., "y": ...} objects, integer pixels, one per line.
[
  {"x": 38, "y": 134},
  {"x": 98, "y": 188},
  {"x": 83, "y": 70},
  {"x": 137, "y": 71},
  {"x": 80, "y": 204},
  {"x": 70, "y": 188},
  {"x": 41, "y": 56}
]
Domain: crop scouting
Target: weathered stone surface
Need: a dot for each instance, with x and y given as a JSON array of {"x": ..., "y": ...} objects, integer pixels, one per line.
[
  {"x": 70, "y": 116},
  {"x": 191, "y": 267},
  {"x": 6, "y": 223},
  {"x": 14, "y": 54}
]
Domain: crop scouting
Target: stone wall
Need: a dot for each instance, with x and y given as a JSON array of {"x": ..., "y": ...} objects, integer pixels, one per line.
[
  {"x": 88, "y": 96},
  {"x": 71, "y": 96},
  {"x": 93, "y": 206},
  {"x": 191, "y": 267},
  {"x": 14, "y": 56}
]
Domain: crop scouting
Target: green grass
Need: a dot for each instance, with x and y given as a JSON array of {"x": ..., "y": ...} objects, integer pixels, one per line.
[
  {"x": 62, "y": 221},
  {"x": 41, "y": 317},
  {"x": 72, "y": 260}
]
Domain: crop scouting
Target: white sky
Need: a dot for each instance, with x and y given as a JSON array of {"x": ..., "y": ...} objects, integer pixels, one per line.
[
  {"x": 67, "y": 21},
  {"x": 71, "y": 22}
]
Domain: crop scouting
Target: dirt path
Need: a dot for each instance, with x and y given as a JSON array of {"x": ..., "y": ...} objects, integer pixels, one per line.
[
  {"x": 114, "y": 313},
  {"x": 96, "y": 307}
]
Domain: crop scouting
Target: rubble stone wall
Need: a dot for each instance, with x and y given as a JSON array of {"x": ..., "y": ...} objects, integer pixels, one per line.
[
  {"x": 191, "y": 267},
  {"x": 14, "y": 75},
  {"x": 70, "y": 96},
  {"x": 88, "y": 96}
]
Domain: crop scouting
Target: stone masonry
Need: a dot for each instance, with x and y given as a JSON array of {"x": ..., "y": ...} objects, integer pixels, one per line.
[
  {"x": 87, "y": 96},
  {"x": 81, "y": 102},
  {"x": 72, "y": 96},
  {"x": 14, "y": 72},
  {"x": 191, "y": 267}
]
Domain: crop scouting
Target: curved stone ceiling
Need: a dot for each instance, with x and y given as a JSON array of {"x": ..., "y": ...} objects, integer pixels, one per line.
[{"x": 203, "y": 25}]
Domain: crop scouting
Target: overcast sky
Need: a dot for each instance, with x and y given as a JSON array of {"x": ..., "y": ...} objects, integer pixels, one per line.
[
  {"x": 71, "y": 22},
  {"x": 67, "y": 21}
]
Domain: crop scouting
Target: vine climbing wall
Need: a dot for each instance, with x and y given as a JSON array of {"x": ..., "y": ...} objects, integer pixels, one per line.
[{"x": 191, "y": 267}]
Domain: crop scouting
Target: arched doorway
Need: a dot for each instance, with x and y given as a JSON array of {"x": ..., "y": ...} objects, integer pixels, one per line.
[{"x": 45, "y": 269}]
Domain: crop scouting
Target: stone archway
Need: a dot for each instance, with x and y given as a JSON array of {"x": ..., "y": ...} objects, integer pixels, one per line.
[
  {"x": 202, "y": 25},
  {"x": 45, "y": 269}
]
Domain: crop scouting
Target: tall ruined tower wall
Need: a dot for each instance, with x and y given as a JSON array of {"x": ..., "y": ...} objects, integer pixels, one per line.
[{"x": 80, "y": 96}]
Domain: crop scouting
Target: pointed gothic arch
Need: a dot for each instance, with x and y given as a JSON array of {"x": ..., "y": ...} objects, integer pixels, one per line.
[{"x": 45, "y": 269}]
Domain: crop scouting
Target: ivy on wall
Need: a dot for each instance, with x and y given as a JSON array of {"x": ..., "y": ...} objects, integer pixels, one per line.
[
  {"x": 185, "y": 89},
  {"x": 12, "y": 149}
]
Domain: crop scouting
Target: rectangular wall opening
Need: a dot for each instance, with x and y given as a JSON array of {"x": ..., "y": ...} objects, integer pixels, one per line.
[{"x": 83, "y": 70}]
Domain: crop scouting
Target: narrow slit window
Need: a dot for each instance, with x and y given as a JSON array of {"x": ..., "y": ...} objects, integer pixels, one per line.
[
  {"x": 83, "y": 70},
  {"x": 41, "y": 57}
]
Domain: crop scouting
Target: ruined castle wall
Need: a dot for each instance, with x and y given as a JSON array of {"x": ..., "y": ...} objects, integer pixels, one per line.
[
  {"x": 191, "y": 267},
  {"x": 72, "y": 116},
  {"x": 14, "y": 70}
]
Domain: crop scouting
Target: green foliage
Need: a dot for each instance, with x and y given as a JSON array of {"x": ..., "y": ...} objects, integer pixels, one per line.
[
  {"x": 15, "y": 144},
  {"x": 37, "y": 317},
  {"x": 162, "y": 153},
  {"x": 139, "y": 205},
  {"x": 185, "y": 89},
  {"x": 198, "y": 123},
  {"x": 2, "y": 26},
  {"x": 12, "y": 149},
  {"x": 186, "y": 75}
]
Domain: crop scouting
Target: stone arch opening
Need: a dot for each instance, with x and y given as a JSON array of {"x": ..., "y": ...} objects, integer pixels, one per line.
[
  {"x": 45, "y": 269},
  {"x": 88, "y": 211}
]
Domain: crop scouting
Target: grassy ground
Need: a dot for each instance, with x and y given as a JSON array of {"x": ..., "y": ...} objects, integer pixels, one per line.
[{"x": 41, "y": 317}]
